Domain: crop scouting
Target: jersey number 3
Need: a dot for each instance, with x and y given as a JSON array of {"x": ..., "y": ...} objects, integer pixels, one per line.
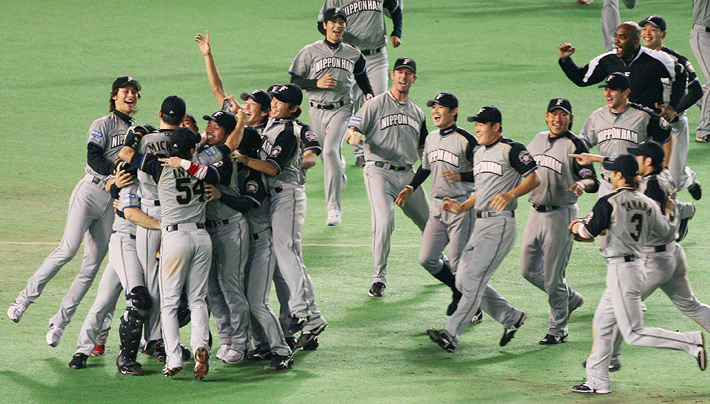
[
  {"x": 183, "y": 185},
  {"x": 637, "y": 222}
]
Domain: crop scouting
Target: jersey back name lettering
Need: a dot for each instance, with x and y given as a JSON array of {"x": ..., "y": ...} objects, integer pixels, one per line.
[
  {"x": 333, "y": 63},
  {"x": 399, "y": 119},
  {"x": 617, "y": 134}
]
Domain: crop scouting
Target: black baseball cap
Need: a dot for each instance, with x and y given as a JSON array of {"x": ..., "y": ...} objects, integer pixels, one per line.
[
  {"x": 290, "y": 93},
  {"x": 259, "y": 96},
  {"x": 616, "y": 81},
  {"x": 626, "y": 164},
  {"x": 333, "y": 13},
  {"x": 656, "y": 20},
  {"x": 559, "y": 103},
  {"x": 487, "y": 114},
  {"x": 124, "y": 81},
  {"x": 224, "y": 119},
  {"x": 651, "y": 149},
  {"x": 405, "y": 63},
  {"x": 173, "y": 106},
  {"x": 184, "y": 139},
  {"x": 445, "y": 100}
]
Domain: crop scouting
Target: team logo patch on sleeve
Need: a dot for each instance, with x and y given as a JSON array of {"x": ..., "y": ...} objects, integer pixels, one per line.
[
  {"x": 130, "y": 196},
  {"x": 96, "y": 136},
  {"x": 252, "y": 187},
  {"x": 525, "y": 157},
  {"x": 585, "y": 172},
  {"x": 275, "y": 151},
  {"x": 311, "y": 136},
  {"x": 209, "y": 152},
  {"x": 217, "y": 164},
  {"x": 355, "y": 120},
  {"x": 663, "y": 123}
]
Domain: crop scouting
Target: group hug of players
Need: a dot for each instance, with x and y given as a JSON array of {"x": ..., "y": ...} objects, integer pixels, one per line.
[{"x": 212, "y": 220}]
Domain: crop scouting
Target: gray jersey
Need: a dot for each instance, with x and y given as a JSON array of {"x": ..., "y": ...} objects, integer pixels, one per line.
[
  {"x": 615, "y": 133},
  {"x": 157, "y": 143},
  {"x": 318, "y": 59},
  {"x": 108, "y": 133},
  {"x": 281, "y": 145},
  {"x": 366, "y": 22},
  {"x": 701, "y": 12},
  {"x": 216, "y": 209},
  {"x": 127, "y": 198},
  {"x": 449, "y": 149},
  {"x": 659, "y": 187},
  {"x": 630, "y": 218},
  {"x": 556, "y": 169},
  {"x": 394, "y": 131},
  {"x": 498, "y": 168}
]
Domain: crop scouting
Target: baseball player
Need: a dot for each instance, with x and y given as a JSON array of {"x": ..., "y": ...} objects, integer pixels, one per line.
[
  {"x": 188, "y": 121},
  {"x": 499, "y": 165},
  {"x": 327, "y": 70},
  {"x": 652, "y": 34},
  {"x": 630, "y": 219},
  {"x": 447, "y": 156},
  {"x": 621, "y": 124},
  {"x": 700, "y": 44},
  {"x": 90, "y": 215},
  {"x": 393, "y": 129},
  {"x": 647, "y": 69},
  {"x": 546, "y": 245},
  {"x": 366, "y": 31}
]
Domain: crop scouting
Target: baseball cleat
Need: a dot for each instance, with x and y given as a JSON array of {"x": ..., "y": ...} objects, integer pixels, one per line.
[
  {"x": 291, "y": 342},
  {"x": 169, "y": 372},
  {"x": 584, "y": 388},
  {"x": 584, "y": 1},
  {"x": 509, "y": 333},
  {"x": 186, "y": 355},
  {"x": 478, "y": 317},
  {"x": 702, "y": 138},
  {"x": 279, "y": 362},
  {"x": 695, "y": 191},
  {"x": 312, "y": 346},
  {"x": 54, "y": 335},
  {"x": 335, "y": 217},
  {"x": 222, "y": 351},
  {"x": 99, "y": 350},
  {"x": 550, "y": 339},
  {"x": 308, "y": 336},
  {"x": 377, "y": 289},
  {"x": 701, "y": 354},
  {"x": 258, "y": 354},
  {"x": 15, "y": 311},
  {"x": 360, "y": 161},
  {"x": 233, "y": 356},
  {"x": 682, "y": 229},
  {"x": 129, "y": 367},
  {"x": 297, "y": 324},
  {"x": 78, "y": 361},
  {"x": 577, "y": 305},
  {"x": 202, "y": 365},
  {"x": 442, "y": 339},
  {"x": 454, "y": 303}
]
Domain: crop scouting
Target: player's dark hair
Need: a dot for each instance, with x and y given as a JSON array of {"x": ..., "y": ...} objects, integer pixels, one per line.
[
  {"x": 112, "y": 102},
  {"x": 295, "y": 114},
  {"x": 658, "y": 166},
  {"x": 171, "y": 120},
  {"x": 183, "y": 154},
  {"x": 265, "y": 108},
  {"x": 632, "y": 181}
]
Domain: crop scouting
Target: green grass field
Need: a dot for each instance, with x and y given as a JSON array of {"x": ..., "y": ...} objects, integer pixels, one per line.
[{"x": 59, "y": 59}]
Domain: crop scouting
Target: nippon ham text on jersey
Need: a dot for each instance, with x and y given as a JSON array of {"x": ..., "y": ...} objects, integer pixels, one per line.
[
  {"x": 445, "y": 156},
  {"x": 550, "y": 162},
  {"x": 117, "y": 140},
  {"x": 489, "y": 167},
  {"x": 617, "y": 134},
  {"x": 363, "y": 5},
  {"x": 333, "y": 63},
  {"x": 398, "y": 119}
]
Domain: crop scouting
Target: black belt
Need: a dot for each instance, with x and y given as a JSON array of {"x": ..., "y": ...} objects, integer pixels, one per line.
[
  {"x": 96, "y": 180},
  {"x": 214, "y": 223},
  {"x": 277, "y": 190},
  {"x": 174, "y": 227},
  {"x": 255, "y": 236},
  {"x": 327, "y": 107},
  {"x": 133, "y": 236},
  {"x": 369, "y": 52},
  {"x": 150, "y": 202},
  {"x": 544, "y": 208},
  {"x": 707, "y": 29},
  {"x": 483, "y": 214},
  {"x": 389, "y": 166},
  {"x": 659, "y": 248},
  {"x": 629, "y": 258}
]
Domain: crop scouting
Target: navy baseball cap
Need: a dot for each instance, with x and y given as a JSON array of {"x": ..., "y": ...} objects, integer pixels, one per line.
[
  {"x": 559, "y": 103},
  {"x": 626, "y": 164},
  {"x": 616, "y": 81},
  {"x": 333, "y": 13},
  {"x": 259, "y": 96},
  {"x": 487, "y": 114},
  {"x": 184, "y": 139},
  {"x": 656, "y": 20},
  {"x": 408, "y": 63},
  {"x": 290, "y": 93},
  {"x": 651, "y": 149},
  {"x": 224, "y": 119},
  {"x": 124, "y": 81},
  {"x": 173, "y": 106},
  {"x": 445, "y": 100}
]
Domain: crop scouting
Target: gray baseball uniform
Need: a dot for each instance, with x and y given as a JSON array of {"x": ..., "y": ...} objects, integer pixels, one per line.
[
  {"x": 546, "y": 244},
  {"x": 700, "y": 44},
  {"x": 330, "y": 108},
  {"x": 90, "y": 217},
  {"x": 611, "y": 20},
  {"x": 497, "y": 168},
  {"x": 631, "y": 219},
  {"x": 394, "y": 132},
  {"x": 615, "y": 133}
]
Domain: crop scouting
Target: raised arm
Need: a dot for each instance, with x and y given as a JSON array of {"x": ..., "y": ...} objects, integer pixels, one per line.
[{"x": 212, "y": 73}]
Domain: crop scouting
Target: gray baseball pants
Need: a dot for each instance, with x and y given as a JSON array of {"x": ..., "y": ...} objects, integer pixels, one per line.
[
  {"x": 148, "y": 244},
  {"x": 442, "y": 229},
  {"x": 682, "y": 174},
  {"x": 611, "y": 20},
  {"x": 700, "y": 44}
]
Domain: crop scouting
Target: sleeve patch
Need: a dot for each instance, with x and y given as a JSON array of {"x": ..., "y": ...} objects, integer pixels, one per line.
[
  {"x": 209, "y": 152},
  {"x": 275, "y": 152},
  {"x": 585, "y": 172},
  {"x": 525, "y": 157},
  {"x": 252, "y": 187},
  {"x": 96, "y": 136},
  {"x": 663, "y": 123},
  {"x": 311, "y": 136}
]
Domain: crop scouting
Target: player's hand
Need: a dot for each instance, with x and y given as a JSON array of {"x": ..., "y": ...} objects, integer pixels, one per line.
[
  {"x": 405, "y": 194},
  {"x": 395, "y": 41},
  {"x": 667, "y": 112},
  {"x": 577, "y": 188},
  {"x": 584, "y": 158},
  {"x": 354, "y": 137},
  {"x": 451, "y": 176},
  {"x": 669, "y": 208},
  {"x": 235, "y": 108},
  {"x": 565, "y": 50},
  {"x": 150, "y": 128},
  {"x": 212, "y": 192},
  {"x": 327, "y": 81},
  {"x": 451, "y": 206},
  {"x": 238, "y": 157},
  {"x": 204, "y": 42},
  {"x": 501, "y": 201},
  {"x": 123, "y": 178},
  {"x": 174, "y": 162},
  {"x": 115, "y": 204}
]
